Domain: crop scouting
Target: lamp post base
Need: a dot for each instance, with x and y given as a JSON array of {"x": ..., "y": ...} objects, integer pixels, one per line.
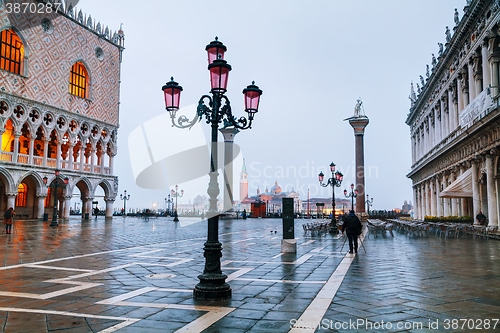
[
  {"x": 212, "y": 287},
  {"x": 333, "y": 228},
  {"x": 54, "y": 223}
]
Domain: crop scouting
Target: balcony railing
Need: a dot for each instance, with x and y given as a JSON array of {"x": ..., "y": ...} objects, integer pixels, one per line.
[{"x": 24, "y": 159}]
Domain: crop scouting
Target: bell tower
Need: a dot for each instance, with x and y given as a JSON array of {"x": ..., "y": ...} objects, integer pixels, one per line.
[{"x": 243, "y": 182}]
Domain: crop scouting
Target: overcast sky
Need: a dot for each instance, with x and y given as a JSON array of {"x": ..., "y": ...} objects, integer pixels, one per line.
[{"x": 313, "y": 60}]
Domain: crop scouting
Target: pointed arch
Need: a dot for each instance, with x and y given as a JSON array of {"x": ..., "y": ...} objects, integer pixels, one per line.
[
  {"x": 107, "y": 187},
  {"x": 8, "y": 180},
  {"x": 80, "y": 81}
]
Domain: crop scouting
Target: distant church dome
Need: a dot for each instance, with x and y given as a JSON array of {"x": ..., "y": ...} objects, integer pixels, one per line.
[{"x": 276, "y": 188}]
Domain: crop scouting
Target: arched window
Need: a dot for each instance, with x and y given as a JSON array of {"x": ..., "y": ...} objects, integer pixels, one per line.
[
  {"x": 21, "y": 195},
  {"x": 78, "y": 80},
  {"x": 11, "y": 52}
]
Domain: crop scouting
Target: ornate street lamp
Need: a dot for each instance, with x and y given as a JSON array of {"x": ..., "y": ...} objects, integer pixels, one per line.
[
  {"x": 335, "y": 180},
  {"x": 212, "y": 282},
  {"x": 170, "y": 203},
  {"x": 55, "y": 184},
  {"x": 352, "y": 195},
  {"x": 369, "y": 202},
  {"x": 124, "y": 197},
  {"x": 175, "y": 194}
]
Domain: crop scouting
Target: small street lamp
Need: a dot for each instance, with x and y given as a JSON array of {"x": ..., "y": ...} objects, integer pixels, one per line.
[
  {"x": 170, "y": 203},
  {"x": 217, "y": 109},
  {"x": 352, "y": 195},
  {"x": 369, "y": 202},
  {"x": 125, "y": 197},
  {"x": 335, "y": 180},
  {"x": 175, "y": 194},
  {"x": 55, "y": 184}
]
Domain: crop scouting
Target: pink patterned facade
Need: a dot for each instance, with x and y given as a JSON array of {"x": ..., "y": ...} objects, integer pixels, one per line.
[{"x": 43, "y": 127}]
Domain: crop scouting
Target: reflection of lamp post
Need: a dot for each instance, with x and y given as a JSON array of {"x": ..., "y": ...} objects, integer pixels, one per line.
[
  {"x": 125, "y": 197},
  {"x": 55, "y": 184},
  {"x": 169, "y": 202},
  {"x": 352, "y": 195},
  {"x": 368, "y": 203},
  {"x": 175, "y": 194},
  {"x": 212, "y": 282},
  {"x": 336, "y": 180}
]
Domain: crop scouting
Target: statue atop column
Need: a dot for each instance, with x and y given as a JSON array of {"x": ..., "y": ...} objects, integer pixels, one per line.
[{"x": 358, "y": 109}]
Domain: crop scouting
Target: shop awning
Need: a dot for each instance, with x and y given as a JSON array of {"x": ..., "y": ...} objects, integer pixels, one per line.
[{"x": 460, "y": 188}]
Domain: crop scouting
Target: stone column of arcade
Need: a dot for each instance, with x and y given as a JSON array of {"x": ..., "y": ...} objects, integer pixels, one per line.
[
  {"x": 109, "y": 207},
  {"x": 229, "y": 134},
  {"x": 41, "y": 205},
  {"x": 359, "y": 123}
]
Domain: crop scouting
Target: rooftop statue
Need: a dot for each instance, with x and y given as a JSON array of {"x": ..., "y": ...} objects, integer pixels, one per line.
[
  {"x": 422, "y": 80},
  {"x": 457, "y": 20},
  {"x": 434, "y": 61},
  {"x": 418, "y": 89},
  {"x": 427, "y": 72},
  {"x": 440, "y": 49},
  {"x": 448, "y": 35}
]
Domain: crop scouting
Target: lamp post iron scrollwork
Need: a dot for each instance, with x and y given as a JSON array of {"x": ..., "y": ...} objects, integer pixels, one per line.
[
  {"x": 124, "y": 197},
  {"x": 334, "y": 181},
  {"x": 352, "y": 195},
  {"x": 175, "y": 194},
  {"x": 212, "y": 282}
]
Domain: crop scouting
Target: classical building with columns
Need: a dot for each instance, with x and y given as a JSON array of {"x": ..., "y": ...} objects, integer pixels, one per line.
[
  {"x": 59, "y": 103},
  {"x": 455, "y": 120}
]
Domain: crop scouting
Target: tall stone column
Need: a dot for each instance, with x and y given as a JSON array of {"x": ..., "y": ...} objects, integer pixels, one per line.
[
  {"x": 82, "y": 158},
  {"x": 439, "y": 208},
  {"x": 89, "y": 206},
  {"x": 454, "y": 206},
  {"x": 491, "y": 189},
  {"x": 427, "y": 199},
  {"x": 437, "y": 120},
  {"x": 478, "y": 75},
  {"x": 415, "y": 203},
  {"x": 229, "y": 134},
  {"x": 444, "y": 116},
  {"x": 359, "y": 124},
  {"x": 58, "y": 154},
  {"x": 67, "y": 206},
  {"x": 41, "y": 205},
  {"x": 17, "y": 135},
  {"x": 32, "y": 148},
  {"x": 476, "y": 204},
  {"x": 446, "y": 201},
  {"x": 432, "y": 187},
  {"x": 109, "y": 207},
  {"x": 472, "y": 84},
  {"x": 45, "y": 150},
  {"x": 463, "y": 201},
  {"x": 486, "y": 65},
  {"x": 460, "y": 94},
  {"x": 422, "y": 201},
  {"x": 84, "y": 206}
]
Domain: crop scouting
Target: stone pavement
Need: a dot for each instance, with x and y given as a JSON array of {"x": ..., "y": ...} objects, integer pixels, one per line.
[{"x": 135, "y": 275}]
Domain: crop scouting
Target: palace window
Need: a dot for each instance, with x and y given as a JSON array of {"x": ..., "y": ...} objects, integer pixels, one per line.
[
  {"x": 21, "y": 195},
  {"x": 78, "y": 81},
  {"x": 11, "y": 51}
]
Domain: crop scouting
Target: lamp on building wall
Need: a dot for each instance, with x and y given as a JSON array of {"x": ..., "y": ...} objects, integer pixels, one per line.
[
  {"x": 334, "y": 181},
  {"x": 175, "y": 194},
  {"x": 55, "y": 184},
  {"x": 125, "y": 198},
  {"x": 352, "y": 195},
  {"x": 212, "y": 282}
]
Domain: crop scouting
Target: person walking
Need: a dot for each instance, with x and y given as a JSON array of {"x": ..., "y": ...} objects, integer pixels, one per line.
[
  {"x": 8, "y": 220},
  {"x": 352, "y": 227}
]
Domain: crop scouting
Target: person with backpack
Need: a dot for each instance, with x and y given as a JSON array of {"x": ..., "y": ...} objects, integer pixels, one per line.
[
  {"x": 352, "y": 227},
  {"x": 8, "y": 220}
]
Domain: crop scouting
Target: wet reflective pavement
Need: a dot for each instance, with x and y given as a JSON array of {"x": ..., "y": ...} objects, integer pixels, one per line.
[{"x": 135, "y": 275}]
